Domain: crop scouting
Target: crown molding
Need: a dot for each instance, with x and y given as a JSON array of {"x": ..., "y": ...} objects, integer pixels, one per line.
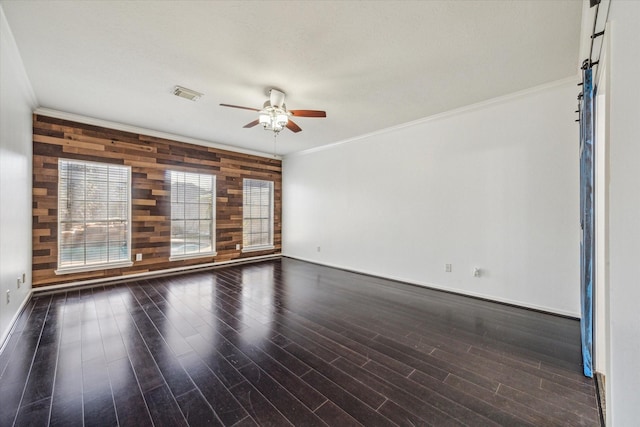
[
  {"x": 49, "y": 112},
  {"x": 447, "y": 114}
]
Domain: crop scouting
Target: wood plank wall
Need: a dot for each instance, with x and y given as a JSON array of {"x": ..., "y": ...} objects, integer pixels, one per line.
[{"x": 150, "y": 158}]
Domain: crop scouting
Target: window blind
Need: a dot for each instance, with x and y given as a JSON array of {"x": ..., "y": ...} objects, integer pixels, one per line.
[
  {"x": 257, "y": 214},
  {"x": 94, "y": 208},
  {"x": 192, "y": 214}
]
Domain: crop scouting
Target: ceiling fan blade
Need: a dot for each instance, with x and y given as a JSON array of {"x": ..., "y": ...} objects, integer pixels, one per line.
[
  {"x": 238, "y": 106},
  {"x": 308, "y": 113},
  {"x": 293, "y": 127},
  {"x": 252, "y": 124}
]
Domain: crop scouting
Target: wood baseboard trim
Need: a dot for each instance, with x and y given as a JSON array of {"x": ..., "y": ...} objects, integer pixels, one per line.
[
  {"x": 47, "y": 290},
  {"x": 4, "y": 339},
  {"x": 601, "y": 395},
  {"x": 440, "y": 289}
]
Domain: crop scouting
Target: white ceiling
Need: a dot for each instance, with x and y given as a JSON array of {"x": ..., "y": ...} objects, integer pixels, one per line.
[{"x": 370, "y": 65}]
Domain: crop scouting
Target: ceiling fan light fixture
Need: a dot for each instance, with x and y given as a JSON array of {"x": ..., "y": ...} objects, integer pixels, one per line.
[
  {"x": 273, "y": 119},
  {"x": 282, "y": 119},
  {"x": 264, "y": 119},
  {"x": 274, "y": 115},
  {"x": 185, "y": 93}
]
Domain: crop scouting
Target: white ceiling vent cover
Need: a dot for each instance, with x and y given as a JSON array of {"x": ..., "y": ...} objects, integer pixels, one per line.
[{"x": 189, "y": 94}]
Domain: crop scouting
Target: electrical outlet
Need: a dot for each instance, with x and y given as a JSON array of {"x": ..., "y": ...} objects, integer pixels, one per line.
[
  {"x": 8, "y": 296},
  {"x": 448, "y": 268},
  {"x": 476, "y": 272},
  {"x": 19, "y": 282},
  {"x": 237, "y": 246},
  {"x": 138, "y": 257}
]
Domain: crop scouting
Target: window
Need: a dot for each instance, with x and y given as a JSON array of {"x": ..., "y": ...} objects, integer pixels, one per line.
[
  {"x": 257, "y": 215},
  {"x": 192, "y": 215},
  {"x": 94, "y": 208}
]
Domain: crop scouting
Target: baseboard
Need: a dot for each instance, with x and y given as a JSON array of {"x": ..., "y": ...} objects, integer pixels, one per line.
[
  {"x": 45, "y": 290},
  {"x": 601, "y": 395},
  {"x": 4, "y": 338},
  {"x": 504, "y": 301},
  {"x": 84, "y": 284}
]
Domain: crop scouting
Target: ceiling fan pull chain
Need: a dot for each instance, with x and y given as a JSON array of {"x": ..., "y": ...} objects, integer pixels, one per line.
[{"x": 275, "y": 137}]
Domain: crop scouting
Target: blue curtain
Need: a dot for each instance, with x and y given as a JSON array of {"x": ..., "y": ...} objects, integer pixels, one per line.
[{"x": 587, "y": 126}]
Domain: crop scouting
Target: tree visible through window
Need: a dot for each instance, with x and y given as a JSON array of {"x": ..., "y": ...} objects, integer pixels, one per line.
[
  {"x": 94, "y": 206},
  {"x": 192, "y": 214},
  {"x": 257, "y": 214}
]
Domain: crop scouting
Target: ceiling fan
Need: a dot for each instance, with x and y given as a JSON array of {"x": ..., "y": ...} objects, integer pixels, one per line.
[{"x": 274, "y": 115}]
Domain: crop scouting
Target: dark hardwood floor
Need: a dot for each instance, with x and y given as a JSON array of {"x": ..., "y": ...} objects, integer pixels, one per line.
[{"x": 287, "y": 342}]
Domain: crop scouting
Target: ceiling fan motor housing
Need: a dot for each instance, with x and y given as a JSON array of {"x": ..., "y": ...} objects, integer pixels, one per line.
[
  {"x": 276, "y": 98},
  {"x": 274, "y": 115}
]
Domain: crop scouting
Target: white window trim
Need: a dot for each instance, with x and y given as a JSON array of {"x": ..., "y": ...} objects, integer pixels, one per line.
[
  {"x": 93, "y": 267},
  {"x": 96, "y": 266},
  {"x": 270, "y": 245},
  {"x": 182, "y": 257},
  {"x": 193, "y": 256},
  {"x": 257, "y": 248}
]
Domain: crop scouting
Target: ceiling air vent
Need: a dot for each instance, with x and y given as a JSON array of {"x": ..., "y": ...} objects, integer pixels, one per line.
[{"x": 189, "y": 94}]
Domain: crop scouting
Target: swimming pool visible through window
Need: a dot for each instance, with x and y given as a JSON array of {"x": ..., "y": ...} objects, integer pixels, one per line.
[
  {"x": 94, "y": 210},
  {"x": 193, "y": 198}
]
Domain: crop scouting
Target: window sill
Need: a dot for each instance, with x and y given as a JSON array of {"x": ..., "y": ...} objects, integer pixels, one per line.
[
  {"x": 92, "y": 267},
  {"x": 258, "y": 248},
  {"x": 192, "y": 256}
]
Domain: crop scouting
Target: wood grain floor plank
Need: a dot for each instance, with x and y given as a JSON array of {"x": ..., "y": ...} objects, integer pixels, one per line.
[{"x": 285, "y": 342}]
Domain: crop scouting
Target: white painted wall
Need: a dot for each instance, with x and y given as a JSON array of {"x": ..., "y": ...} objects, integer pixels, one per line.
[
  {"x": 493, "y": 186},
  {"x": 623, "y": 381},
  {"x": 16, "y": 105}
]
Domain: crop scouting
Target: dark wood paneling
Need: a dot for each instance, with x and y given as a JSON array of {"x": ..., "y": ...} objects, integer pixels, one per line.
[{"x": 150, "y": 158}]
